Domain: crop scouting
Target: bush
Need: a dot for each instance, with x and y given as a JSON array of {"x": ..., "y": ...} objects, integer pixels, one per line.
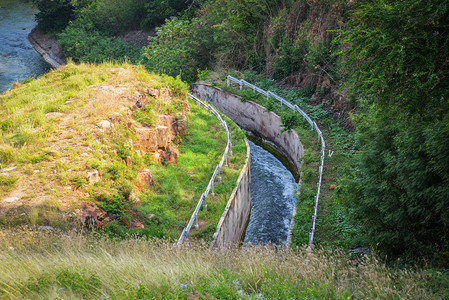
[
  {"x": 180, "y": 48},
  {"x": 84, "y": 43}
]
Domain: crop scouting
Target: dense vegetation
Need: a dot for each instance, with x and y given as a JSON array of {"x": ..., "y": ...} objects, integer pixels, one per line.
[
  {"x": 388, "y": 60},
  {"x": 398, "y": 63}
]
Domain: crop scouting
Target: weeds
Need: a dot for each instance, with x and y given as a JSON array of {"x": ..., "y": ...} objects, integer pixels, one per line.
[{"x": 46, "y": 265}]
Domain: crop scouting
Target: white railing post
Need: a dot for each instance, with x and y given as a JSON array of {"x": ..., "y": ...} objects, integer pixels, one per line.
[{"x": 204, "y": 202}]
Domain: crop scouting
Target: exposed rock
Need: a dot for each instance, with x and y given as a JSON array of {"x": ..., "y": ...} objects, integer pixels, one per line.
[
  {"x": 136, "y": 225},
  {"x": 163, "y": 94},
  {"x": 105, "y": 124},
  {"x": 171, "y": 155},
  {"x": 47, "y": 46},
  {"x": 144, "y": 178},
  {"x": 133, "y": 197},
  {"x": 152, "y": 139},
  {"x": 8, "y": 169},
  {"x": 93, "y": 177},
  {"x": 51, "y": 115},
  {"x": 45, "y": 227},
  {"x": 128, "y": 161},
  {"x": 158, "y": 157},
  {"x": 171, "y": 123},
  {"x": 90, "y": 216},
  {"x": 152, "y": 92},
  {"x": 138, "y": 38}
]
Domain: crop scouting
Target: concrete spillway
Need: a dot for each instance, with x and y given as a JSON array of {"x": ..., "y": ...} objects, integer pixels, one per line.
[{"x": 272, "y": 187}]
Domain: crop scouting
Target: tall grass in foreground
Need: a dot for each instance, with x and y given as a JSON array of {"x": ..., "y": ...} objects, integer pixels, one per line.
[{"x": 47, "y": 265}]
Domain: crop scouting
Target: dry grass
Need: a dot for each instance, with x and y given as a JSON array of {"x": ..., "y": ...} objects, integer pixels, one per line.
[{"x": 44, "y": 265}]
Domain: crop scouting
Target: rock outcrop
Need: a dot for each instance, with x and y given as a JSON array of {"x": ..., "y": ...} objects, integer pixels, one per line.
[
  {"x": 158, "y": 140},
  {"x": 144, "y": 178},
  {"x": 47, "y": 47}
]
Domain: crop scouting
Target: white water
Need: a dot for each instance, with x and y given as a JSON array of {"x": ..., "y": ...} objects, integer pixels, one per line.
[{"x": 272, "y": 187}]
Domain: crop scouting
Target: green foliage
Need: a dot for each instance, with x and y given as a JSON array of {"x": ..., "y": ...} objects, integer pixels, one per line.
[
  {"x": 270, "y": 105},
  {"x": 54, "y": 15},
  {"x": 78, "y": 181},
  {"x": 249, "y": 95},
  {"x": 78, "y": 283},
  {"x": 158, "y": 11},
  {"x": 398, "y": 186},
  {"x": 83, "y": 42},
  {"x": 180, "y": 48},
  {"x": 7, "y": 182},
  {"x": 289, "y": 120},
  {"x": 398, "y": 54},
  {"x": 118, "y": 203},
  {"x": 115, "y": 16}
]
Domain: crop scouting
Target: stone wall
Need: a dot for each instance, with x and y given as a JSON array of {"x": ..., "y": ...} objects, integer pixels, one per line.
[{"x": 232, "y": 223}]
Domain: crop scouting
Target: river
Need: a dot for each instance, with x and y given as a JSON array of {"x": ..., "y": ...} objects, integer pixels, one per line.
[
  {"x": 272, "y": 187},
  {"x": 18, "y": 60}
]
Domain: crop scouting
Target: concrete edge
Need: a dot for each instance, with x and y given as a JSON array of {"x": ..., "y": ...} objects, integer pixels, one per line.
[
  {"x": 47, "y": 47},
  {"x": 232, "y": 197}
]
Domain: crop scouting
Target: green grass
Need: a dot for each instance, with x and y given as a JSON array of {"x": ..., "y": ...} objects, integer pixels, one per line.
[
  {"x": 179, "y": 187},
  {"x": 38, "y": 265}
]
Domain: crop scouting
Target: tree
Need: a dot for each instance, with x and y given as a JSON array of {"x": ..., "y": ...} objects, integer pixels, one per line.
[
  {"x": 396, "y": 58},
  {"x": 54, "y": 15}
]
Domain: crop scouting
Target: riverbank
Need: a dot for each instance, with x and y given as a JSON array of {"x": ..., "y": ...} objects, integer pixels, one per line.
[{"x": 47, "y": 46}]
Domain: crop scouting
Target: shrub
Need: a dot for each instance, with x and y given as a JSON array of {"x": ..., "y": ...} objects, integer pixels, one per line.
[{"x": 83, "y": 42}]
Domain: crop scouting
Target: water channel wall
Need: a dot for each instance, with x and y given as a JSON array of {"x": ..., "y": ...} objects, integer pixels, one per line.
[
  {"x": 233, "y": 221},
  {"x": 266, "y": 127},
  {"x": 256, "y": 121}
]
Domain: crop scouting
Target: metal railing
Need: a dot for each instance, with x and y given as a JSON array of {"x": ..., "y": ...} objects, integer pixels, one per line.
[
  {"x": 217, "y": 172},
  {"x": 296, "y": 108}
]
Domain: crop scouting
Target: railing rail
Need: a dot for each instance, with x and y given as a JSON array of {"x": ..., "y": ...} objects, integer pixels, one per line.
[
  {"x": 296, "y": 108},
  {"x": 210, "y": 187}
]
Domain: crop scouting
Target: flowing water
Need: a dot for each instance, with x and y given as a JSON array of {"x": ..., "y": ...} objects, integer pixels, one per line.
[
  {"x": 18, "y": 60},
  {"x": 272, "y": 187}
]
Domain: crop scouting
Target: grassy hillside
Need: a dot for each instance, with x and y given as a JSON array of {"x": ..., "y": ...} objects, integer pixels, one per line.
[
  {"x": 44, "y": 265},
  {"x": 69, "y": 151}
]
